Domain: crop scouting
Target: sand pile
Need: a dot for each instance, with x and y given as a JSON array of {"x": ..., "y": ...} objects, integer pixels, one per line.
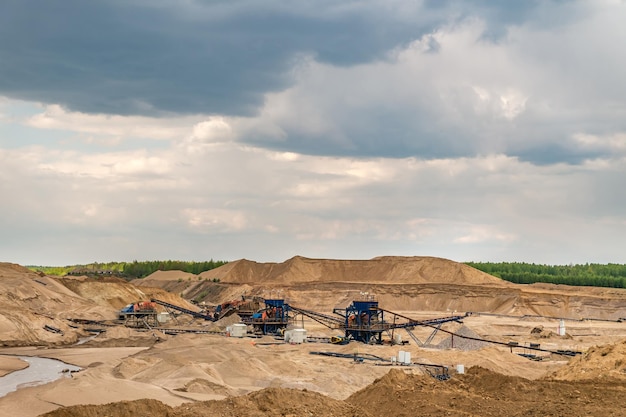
[
  {"x": 112, "y": 293},
  {"x": 117, "y": 293},
  {"x": 605, "y": 362},
  {"x": 176, "y": 282},
  {"x": 120, "y": 336},
  {"x": 32, "y": 309},
  {"x": 399, "y": 283},
  {"x": 478, "y": 393},
  {"x": 484, "y": 393},
  {"x": 221, "y": 324},
  {"x": 390, "y": 269},
  {"x": 174, "y": 275},
  {"x": 271, "y": 402},
  {"x": 146, "y": 407}
]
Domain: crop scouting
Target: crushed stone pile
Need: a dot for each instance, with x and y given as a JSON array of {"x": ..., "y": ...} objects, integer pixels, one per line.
[{"x": 461, "y": 343}]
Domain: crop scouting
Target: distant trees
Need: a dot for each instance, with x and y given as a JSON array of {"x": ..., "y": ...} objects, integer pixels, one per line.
[
  {"x": 145, "y": 268},
  {"x": 596, "y": 275},
  {"x": 130, "y": 270}
]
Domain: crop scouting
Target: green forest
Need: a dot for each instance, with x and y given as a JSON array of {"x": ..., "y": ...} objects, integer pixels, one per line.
[
  {"x": 129, "y": 270},
  {"x": 596, "y": 275}
]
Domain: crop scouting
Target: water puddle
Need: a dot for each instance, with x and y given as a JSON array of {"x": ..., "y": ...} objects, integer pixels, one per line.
[{"x": 40, "y": 371}]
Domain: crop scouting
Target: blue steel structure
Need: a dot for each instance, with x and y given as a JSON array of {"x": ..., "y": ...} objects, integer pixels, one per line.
[
  {"x": 364, "y": 321},
  {"x": 273, "y": 318}
]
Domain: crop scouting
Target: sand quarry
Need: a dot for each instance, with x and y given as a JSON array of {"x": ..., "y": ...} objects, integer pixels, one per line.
[{"x": 143, "y": 372}]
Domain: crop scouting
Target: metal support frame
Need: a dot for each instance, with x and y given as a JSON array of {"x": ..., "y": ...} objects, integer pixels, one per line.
[
  {"x": 142, "y": 319},
  {"x": 275, "y": 317},
  {"x": 432, "y": 335},
  {"x": 364, "y": 321},
  {"x": 415, "y": 338}
]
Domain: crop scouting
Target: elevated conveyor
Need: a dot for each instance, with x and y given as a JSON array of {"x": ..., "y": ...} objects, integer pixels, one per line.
[
  {"x": 324, "y": 319},
  {"x": 184, "y": 310}
]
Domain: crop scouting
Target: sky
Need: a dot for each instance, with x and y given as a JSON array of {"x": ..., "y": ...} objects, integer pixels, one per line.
[{"x": 193, "y": 130}]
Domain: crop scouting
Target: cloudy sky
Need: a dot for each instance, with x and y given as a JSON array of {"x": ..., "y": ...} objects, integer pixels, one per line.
[{"x": 226, "y": 129}]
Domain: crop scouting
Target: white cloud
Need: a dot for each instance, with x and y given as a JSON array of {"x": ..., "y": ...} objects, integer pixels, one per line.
[
  {"x": 418, "y": 152},
  {"x": 220, "y": 220},
  {"x": 613, "y": 143},
  {"x": 131, "y": 164},
  {"x": 306, "y": 204},
  {"x": 55, "y": 117},
  {"x": 482, "y": 233},
  {"x": 216, "y": 129}
]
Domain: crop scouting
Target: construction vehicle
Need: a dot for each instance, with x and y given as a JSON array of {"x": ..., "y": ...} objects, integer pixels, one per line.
[{"x": 339, "y": 340}]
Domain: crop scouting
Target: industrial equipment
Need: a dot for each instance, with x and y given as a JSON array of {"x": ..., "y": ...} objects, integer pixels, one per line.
[
  {"x": 139, "y": 314},
  {"x": 364, "y": 321},
  {"x": 271, "y": 319},
  {"x": 194, "y": 314}
]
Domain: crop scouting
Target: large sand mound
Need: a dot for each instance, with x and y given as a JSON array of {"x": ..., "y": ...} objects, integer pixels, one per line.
[
  {"x": 34, "y": 309},
  {"x": 399, "y": 283},
  {"x": 30, "y": 304},
  {"x": 169, "y": 276},
  {"x": 389, "y": 269}
]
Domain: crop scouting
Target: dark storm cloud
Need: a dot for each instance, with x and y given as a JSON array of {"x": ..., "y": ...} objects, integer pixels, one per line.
[
  {"x": 139, "y": 57},
  {"x": 134, "y": 57},
  {"x": 163, "y": 58}
]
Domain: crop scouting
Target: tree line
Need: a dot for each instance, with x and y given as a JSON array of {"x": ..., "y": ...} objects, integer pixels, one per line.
[
  {"x": 595, "y": 275},
  {"x": 129, "y": 270}
]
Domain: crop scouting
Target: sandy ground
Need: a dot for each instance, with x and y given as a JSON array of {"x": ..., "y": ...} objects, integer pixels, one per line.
[
  {"x": 9, "y": 364},
  {"x": 192, "y": 374},
  {"x": 190, "y": 368}
]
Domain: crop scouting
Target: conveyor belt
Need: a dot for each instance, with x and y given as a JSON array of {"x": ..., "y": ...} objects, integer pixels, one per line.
[{"x": 184, "y": 310}]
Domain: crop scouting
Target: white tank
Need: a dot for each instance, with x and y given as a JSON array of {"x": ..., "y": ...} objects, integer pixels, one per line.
[
  {"x": 297, "y": 336},
  {"x": 238, "y": 330},
  {"x": 460, "y": 369},
  {"x": 407, "y": 358},
  {"x": 401, "y": 357}
]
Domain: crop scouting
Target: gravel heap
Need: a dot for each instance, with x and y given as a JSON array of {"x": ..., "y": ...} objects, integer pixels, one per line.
[{"x": 461, "y": 343}]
